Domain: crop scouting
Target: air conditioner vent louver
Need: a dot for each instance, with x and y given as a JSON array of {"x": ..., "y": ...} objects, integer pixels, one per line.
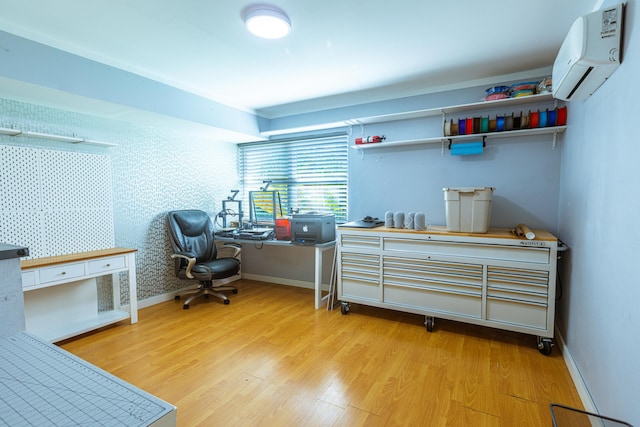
[{"x": 577, "y": 86}]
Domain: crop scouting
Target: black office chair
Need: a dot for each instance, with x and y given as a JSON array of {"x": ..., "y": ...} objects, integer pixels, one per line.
[{"x": 195, "y": 253}]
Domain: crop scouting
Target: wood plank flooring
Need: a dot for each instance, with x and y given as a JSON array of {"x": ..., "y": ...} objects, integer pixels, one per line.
[{"x": 270, "y": 359}]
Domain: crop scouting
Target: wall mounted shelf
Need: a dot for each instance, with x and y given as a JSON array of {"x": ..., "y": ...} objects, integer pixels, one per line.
[
  {"x": 482, "y": 105},
  {"x": 463, "y": 108},
  {"x": 70, "y": 139},
  {"x": 457, "y": 138}
]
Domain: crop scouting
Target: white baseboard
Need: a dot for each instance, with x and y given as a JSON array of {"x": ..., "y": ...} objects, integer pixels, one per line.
[
  {"x": 279, "y": 280},
  {"x": 156, "y": 300},
  {"x": 578, "y": 381},
  {"x": 148, "y": 302}
]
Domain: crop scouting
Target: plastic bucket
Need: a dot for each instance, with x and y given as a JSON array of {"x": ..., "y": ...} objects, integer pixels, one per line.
[{"x": 283, "y": 229}]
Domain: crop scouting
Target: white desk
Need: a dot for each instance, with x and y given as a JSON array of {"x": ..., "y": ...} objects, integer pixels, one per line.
[
  {"x": 319, "y": 255},
  {"x": 61, "y": 298}
]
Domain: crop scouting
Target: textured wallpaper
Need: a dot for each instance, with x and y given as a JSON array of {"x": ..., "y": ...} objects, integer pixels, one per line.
[{"x": 153, "y": 171}]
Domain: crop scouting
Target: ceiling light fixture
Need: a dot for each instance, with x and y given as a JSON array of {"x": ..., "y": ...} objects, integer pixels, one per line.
[{"x": 266, "y": 21}]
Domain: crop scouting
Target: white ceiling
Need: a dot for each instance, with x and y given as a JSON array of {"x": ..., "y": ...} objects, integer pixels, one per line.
[{"x": 340, "y": 52}]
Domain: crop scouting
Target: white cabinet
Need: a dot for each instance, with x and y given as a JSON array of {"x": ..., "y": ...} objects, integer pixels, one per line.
[
  {"x": 61, "y": 297},
  {"x": 494, "y": 279},
  {"x": 11, "y": 300}
]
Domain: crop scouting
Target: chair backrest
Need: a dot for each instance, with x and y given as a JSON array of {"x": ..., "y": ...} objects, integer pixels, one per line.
[{"x": 192, "y": 231}]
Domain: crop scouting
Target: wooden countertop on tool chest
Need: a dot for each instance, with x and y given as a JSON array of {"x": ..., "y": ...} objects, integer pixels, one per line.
[{"x": 498, "y": 233}]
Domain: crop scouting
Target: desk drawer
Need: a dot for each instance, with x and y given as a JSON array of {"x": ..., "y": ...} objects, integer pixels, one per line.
[
  {"x": 106, "y": 264},
  {"x": 28, "y": 279},
  {"x": 62, "y": 272}
]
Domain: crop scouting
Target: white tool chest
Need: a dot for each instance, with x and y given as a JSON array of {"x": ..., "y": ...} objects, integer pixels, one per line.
[{"x": 494, "y": 279}]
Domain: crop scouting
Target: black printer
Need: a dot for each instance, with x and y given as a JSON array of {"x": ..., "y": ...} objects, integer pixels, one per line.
[{"x": 313, "y": 228}]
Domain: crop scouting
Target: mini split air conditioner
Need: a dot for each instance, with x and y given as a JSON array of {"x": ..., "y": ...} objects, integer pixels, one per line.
[{"x": 589, "y": 54}]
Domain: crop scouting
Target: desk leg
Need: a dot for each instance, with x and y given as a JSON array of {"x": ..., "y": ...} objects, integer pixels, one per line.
[
  {"x": 318, "y": 274},
  {"x": 115, "y": 280},
  {"x": 133, "y": 289}
]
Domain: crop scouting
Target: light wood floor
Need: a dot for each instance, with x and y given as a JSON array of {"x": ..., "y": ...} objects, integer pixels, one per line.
[{"x": 270, "y": 359}]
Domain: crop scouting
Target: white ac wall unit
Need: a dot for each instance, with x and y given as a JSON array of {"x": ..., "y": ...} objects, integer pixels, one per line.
[{"x": 589, "y": 54}]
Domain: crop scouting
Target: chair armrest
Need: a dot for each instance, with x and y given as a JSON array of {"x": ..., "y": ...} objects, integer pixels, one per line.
[
  {"x": 236, "y": 249},
  {"x": 191, "y": 261}
]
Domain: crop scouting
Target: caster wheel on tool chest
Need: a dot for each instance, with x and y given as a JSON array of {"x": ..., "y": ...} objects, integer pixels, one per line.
[
  {"x": 545, "y": 346},
  {"x": 344, "y": 308},
  {"x": 235, "y": 291},
  {"x": 226, "y": 302},
  {"x": 429, "y": 322},
  {"x": 185, "y": 307},
  {"x": 177, "y": 298}
]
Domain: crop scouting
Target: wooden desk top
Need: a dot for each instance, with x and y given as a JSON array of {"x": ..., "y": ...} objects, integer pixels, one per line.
[{"x": 81, "y": 256}]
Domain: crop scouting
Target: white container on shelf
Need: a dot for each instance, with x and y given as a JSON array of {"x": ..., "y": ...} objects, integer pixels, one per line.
[{"x": 468, "y": 209}]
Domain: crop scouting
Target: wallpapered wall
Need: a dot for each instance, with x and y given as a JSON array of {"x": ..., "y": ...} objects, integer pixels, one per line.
[{"x": 153, "y": 171}]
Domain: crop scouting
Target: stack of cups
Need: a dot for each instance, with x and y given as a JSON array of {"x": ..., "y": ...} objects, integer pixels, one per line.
[
  {"x": 398, "y": 219},
  {"x": 412, "y": 221},
  {"x": 408, "y": 221},
  {"x": 388, "y": 219},
  {"x": 420, "y": 221}
]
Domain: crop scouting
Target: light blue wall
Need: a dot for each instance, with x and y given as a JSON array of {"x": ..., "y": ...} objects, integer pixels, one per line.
[
  {"x": 524, "y": 171},
  {"x": 153, "y": 172},
  {"x": 599, "y": 312}
]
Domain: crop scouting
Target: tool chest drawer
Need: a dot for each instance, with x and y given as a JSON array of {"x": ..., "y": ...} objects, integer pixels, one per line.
[
  {"x": 356, "y": 241},
  {"x": 469, "y": 250},
  {"x": 360, "y": 275}
]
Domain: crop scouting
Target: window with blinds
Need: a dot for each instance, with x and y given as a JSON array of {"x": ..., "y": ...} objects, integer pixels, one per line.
[{"x": 307, "y": 174}]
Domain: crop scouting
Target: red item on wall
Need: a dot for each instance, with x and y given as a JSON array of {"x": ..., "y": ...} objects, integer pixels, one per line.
[
  {"x": 534, "y": 119},
  {"x": 370, "y": 139},
  {"x": 561, "y": 118}
]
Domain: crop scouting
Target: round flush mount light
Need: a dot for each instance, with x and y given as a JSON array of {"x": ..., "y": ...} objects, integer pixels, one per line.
[{"x": 266, "y": 21}]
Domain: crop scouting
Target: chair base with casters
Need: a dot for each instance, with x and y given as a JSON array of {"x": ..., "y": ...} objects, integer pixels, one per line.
[
  {"x": 205, "y": 289},
  {"x": 196, "y": 257}
]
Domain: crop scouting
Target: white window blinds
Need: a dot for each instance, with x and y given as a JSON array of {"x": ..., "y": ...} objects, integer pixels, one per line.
[{"x": 308, "y": 174}]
